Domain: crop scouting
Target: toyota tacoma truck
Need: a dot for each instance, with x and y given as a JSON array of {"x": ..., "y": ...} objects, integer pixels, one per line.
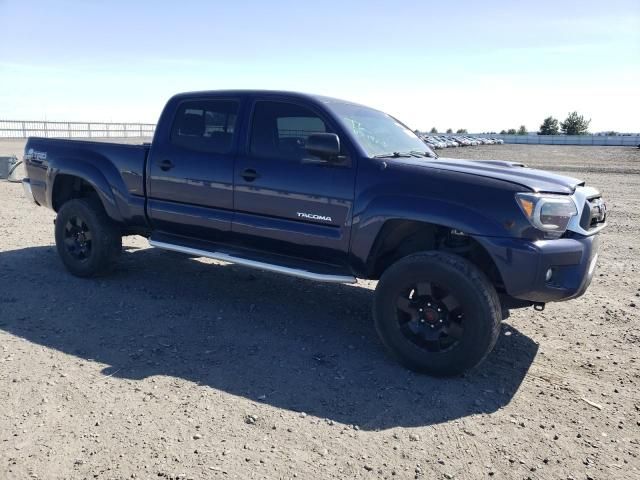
[{"x": 331, "y": 191}]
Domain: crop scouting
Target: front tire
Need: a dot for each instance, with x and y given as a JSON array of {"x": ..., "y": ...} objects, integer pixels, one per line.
[
  {"x": 437, "y": 313},
  {"x": 88, "y": 241}
]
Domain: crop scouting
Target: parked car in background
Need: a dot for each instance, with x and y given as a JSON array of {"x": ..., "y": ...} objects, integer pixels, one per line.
[
  {"x": 437, "y": 142},
  {"x": 430, "y": 142},
  {"x": 447, "y": 142}
]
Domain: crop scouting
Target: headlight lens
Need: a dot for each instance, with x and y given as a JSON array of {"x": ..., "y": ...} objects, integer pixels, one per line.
[{"x": 549, "y": 213}]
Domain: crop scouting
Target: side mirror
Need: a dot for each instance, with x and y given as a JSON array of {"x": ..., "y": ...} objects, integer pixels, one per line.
[{"x": 323, "y": 145}]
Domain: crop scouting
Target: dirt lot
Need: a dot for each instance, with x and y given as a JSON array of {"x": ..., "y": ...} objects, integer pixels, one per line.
[{"x": 175, "y": 368}]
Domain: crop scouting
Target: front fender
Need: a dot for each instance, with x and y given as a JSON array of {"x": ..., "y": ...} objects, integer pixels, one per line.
[{"x": 368, "y": 224}]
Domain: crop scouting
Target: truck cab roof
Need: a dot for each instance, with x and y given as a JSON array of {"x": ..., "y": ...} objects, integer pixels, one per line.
[{"x": 264, "y": 93}]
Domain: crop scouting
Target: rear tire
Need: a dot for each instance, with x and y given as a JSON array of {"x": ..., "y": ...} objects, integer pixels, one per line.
[
  {"x": 437, "y": 313},
  {"x": 88, "y": 241}
]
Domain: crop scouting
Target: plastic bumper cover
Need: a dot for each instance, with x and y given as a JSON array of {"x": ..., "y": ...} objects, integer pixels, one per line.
[
  {"x": 545, "y": 270},
  {"x": 28, "y": 192}
]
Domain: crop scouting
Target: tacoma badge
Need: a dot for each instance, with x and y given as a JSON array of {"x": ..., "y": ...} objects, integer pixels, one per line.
[{"x": 313, "y": 216}]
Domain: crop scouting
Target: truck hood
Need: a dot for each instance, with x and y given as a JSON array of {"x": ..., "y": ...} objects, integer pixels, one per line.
[{"x": 513, "y": 172}]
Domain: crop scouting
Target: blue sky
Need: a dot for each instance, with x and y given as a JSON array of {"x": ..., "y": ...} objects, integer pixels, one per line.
[{"x": 478, "y": 65}]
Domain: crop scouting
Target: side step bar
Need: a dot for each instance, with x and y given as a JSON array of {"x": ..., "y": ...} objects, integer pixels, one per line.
[{"x": 261, "y": 265}]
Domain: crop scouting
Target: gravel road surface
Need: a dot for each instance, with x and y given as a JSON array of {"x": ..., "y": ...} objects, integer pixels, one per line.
[{"x": 174, "y": 367}]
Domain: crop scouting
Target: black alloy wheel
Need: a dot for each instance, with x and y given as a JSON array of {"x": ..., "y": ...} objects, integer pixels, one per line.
[
  {"x": 437, "y": 313},
  {"x": 430, "y": 316},
  {"x": 77, "y": 238},
  {"x": 88, "y": 241}
]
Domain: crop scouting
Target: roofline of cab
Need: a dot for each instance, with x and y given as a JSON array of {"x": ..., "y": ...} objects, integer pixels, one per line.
[{"x": 319, "y": 99}]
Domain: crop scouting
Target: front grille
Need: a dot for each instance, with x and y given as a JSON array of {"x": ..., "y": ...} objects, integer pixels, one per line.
[{"x": 594, "y": 213}]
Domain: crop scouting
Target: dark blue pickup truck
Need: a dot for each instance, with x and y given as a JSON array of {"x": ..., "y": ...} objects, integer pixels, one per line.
[{"x": 330, "y": 190}]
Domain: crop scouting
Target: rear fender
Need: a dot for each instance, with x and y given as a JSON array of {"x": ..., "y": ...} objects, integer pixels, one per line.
[{"x": 101, "y": 175}]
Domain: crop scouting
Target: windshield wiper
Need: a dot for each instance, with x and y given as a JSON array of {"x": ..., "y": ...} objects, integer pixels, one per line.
[
  {"x": 412, "y": 153},
  {"x": 423, "y": 154},
  {"x": 393, "y": 155}
]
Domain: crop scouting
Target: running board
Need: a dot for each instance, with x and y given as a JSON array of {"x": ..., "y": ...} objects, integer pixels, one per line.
[{"x": 297, "y": 271}]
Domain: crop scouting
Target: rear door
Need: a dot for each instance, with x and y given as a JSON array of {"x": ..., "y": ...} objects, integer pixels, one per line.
[
  {"x": 286, "y": 201},
  {"x": 190, "y": 179}
]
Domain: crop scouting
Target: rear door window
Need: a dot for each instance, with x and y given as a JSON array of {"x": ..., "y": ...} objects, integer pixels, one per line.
[{"x": 205, "y": 125}]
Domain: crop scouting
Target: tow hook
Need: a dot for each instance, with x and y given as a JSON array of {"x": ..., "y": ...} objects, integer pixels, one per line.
[{"x": 538, "y": 306}]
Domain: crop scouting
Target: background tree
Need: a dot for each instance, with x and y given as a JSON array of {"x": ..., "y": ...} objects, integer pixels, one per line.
[
  {"x": 434, "y": 130},
  {"x": 511, "y": 131},
  {"x": 449, "y": 130},
  {"x": 462, "y": 130},
  {"x": 522, "y": 130},
  {"x": 575, "y": 125},
  {"x": 549, "y": 127},
  {"x": 503, "y": 132}
]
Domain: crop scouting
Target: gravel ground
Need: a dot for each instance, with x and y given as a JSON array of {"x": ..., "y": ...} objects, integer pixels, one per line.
[{"x": 175, "y": 368}]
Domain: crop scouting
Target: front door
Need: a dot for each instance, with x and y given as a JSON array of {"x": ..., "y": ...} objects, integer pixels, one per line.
[
  {"x": 190, "y": 184},
  {"x": 285, "y": 201}
]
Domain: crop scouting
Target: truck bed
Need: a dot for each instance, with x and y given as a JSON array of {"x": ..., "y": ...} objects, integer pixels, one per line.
[{"x": 121, "y": 166}]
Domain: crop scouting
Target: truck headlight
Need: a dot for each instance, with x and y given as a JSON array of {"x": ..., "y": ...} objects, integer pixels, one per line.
[{"x": 549, "y": 213}]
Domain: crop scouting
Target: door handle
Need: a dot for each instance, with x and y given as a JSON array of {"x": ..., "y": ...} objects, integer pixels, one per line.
[
  {"x": 250, "y": 174},
  {"x": 166, "y": 165}
]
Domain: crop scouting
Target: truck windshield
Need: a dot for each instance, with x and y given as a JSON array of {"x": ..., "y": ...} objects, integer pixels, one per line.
[{"x": 378, "y": 133}]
